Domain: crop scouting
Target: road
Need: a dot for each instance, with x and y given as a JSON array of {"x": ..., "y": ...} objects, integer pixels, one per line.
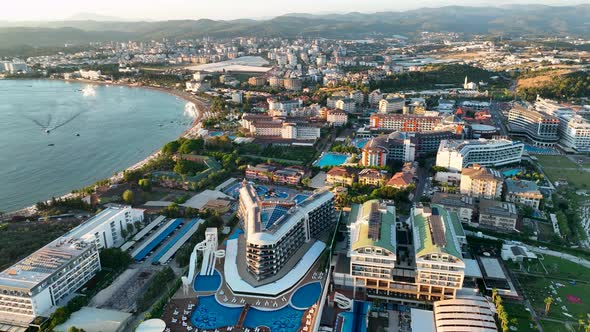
[
  {"x": 497, "y": 118},
  {"x": 422, "y": 184},
  {"x": 566, "y": 256}
]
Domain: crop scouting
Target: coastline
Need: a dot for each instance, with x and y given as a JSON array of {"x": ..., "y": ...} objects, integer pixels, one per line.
[{"x": 201, "y": 106}]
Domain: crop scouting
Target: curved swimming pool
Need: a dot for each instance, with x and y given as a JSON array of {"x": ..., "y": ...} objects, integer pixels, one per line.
[
  {"x": 207, "y": 283},
  {"x": 209, "y": 314},
  {"x": 306, "y": 295},
  {"x": 287, "y": 319}
]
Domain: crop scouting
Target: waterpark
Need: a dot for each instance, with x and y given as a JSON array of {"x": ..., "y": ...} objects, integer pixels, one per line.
[{"x": 207, "y": 300}]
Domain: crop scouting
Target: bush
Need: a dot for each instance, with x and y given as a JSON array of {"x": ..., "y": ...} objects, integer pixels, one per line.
[{"x": 155, "y": 288}]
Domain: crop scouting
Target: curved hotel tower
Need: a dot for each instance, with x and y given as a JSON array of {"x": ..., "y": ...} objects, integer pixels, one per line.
[{"x": 274, "y": 230}]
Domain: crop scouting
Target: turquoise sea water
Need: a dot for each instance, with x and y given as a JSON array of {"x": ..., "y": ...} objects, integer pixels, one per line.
[{"x": 117, "y": 127}]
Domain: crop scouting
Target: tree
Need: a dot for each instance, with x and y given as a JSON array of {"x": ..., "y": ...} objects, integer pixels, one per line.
[
  {"x": 75, "y": 329},
  {"x": 128, "y": 196},
  {"x": 191, "y": 145},
  {"x": 145, "y": 184},
  {"x": 548, "y": 301},
  {"x": 171, "y": 147},
  {"x": 130, "y": 229}
]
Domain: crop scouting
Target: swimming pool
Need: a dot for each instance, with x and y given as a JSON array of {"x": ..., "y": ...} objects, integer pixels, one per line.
[
  {"x": 306, "y": 295},
  {"x": 234, "y": 235},
  {"x": 209, "y": 314},
  {"x": 360, "y": 143},
  {"x": 511, "y": 172},
  {"x": 331, "y": 159},
  {"x": 207, "y": 283},
  {"x": 216, "y": 133},
  {"x": 261, "y": 190},
  {"x": 540, "y": 150},
  {"x": 286, "y": 319},
  {"x": 300, "y": 198}
]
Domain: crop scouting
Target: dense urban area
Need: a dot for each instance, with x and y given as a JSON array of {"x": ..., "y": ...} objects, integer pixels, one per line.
[{"x": 437, "y": 182}]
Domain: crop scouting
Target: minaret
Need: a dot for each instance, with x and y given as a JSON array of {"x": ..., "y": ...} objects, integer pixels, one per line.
[{"x": 465, "y": 84}]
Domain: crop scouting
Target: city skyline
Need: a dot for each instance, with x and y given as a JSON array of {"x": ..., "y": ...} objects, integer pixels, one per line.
[{"x": 254, "y": 9}]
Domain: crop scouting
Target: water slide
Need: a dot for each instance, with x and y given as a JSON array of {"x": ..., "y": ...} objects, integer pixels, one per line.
[{"x": 210, "y": 254}]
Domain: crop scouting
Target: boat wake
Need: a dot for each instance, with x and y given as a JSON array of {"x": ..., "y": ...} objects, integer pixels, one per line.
[
  {"x": 48, "y": 126},
  {"x": 89, "y": 91}
]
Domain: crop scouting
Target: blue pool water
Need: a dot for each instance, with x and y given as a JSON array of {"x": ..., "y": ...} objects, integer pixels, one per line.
[
  {"x": 360, "y": 143},
  {"x": 277, "y": 194},
  {"x": 209, "y": 314},
  {"x": 207, "y": 283},
  {"x": 331, "y": 159},
  {"x": 300, "y": 198},
  {"x": 306, "y": 295},
  {"x": 234, "y": 235},
  {"x": 355, "y": 320},
  {"x": 540, "y": 150},
  {"x": 234, "y": 190},
  {"x": 286, "y": 319},
  {"x": 511, "y": 172},
  {"x": 261, "y": 190},
  {"x": 216, "y": 133}
]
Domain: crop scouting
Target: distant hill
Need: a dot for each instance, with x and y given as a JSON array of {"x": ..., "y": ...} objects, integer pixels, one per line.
[{"x": 515, "y": 20}]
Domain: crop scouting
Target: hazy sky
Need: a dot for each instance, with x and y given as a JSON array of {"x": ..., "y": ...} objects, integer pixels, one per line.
[{"x": 18, "y": 10}]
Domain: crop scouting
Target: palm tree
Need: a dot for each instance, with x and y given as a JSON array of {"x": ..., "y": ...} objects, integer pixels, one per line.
[{"x": 548, "y": 301}]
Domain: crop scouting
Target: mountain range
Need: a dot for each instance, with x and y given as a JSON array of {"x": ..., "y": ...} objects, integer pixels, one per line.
[{"x": 514, "y": 20}]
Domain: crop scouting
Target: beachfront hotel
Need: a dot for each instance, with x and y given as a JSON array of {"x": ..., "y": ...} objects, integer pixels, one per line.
[
  {"x": 46, "y": 278},
  {"x": 274, "y": 229},
  {"x": 458, "y": 154},
  {"x": 390, "y": 268}
]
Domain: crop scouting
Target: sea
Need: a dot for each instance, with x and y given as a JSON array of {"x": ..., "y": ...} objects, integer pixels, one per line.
[{"x": 57, "y": 136}]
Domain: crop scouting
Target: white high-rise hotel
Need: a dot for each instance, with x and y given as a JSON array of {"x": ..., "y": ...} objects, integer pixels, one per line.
[
  {"x": 458, "y": 154},
  {"x": 46, "y": 278}
]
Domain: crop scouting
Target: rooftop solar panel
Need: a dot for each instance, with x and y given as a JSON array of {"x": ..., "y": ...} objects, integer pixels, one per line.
[{"x": 437, "y": 228}]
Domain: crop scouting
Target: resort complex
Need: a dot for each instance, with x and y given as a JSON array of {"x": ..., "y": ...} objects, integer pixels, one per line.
[{"x": 361, "y": 172}]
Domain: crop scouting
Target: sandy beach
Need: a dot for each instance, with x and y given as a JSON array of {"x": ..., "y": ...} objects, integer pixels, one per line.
[{"x": 201, "y": 106}]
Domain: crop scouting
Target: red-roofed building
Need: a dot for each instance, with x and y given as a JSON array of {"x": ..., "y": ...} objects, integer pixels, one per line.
[{"x": 400, "y": 180}]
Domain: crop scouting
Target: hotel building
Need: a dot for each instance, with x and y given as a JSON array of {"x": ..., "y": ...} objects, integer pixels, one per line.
[
  {"x": 438, "y": 236},
  {"x": 458, "y": 154},
  {"x": 575, "y": 133},
  {"x": 404, "y": 122},
  {"x": 481, "y": 182},
  {"x": 275, "y": 230},
  {"x": 523, "y": 192},
  {"x": 391, "y": 105},
  {"x": 539, "y": 128},
  {"x": 429, "y": 269},
  {"x": 46, "y": 278},
  {"x": 402, "y": 146}
]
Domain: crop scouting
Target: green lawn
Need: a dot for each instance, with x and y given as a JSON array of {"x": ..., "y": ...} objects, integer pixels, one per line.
[
  {"x": 556, "y": 161},
  {"x": 517, "y": 312},
  {"x": 560, "y": 167},
  {"x": 553, "y": 326},
  {"x": 538, "y": 288}
]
